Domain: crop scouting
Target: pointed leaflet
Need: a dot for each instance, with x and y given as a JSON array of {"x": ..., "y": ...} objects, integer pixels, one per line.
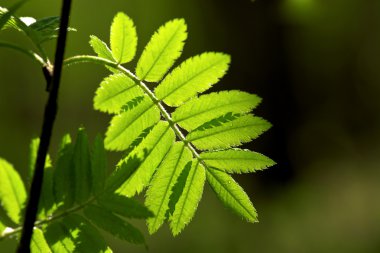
[
  {"x": 38, "y": 243},
  {"x": 163, "y": 49},
  {"x": 12, "y": 191},
  {"x": 114, "y": 92},
  {"x": 59, "y": 238},
  {"x": 123, "y": 38},
  {"x": 151, "y": 151},
  {"x": 237, "y": 160},
  {"x": 98, "y": 165},
  {"x": 111, "y": 223},
  {"x": 189, "y": 199},
  {"x": 193, "y": 76},
  {"x": 199, "y": 110},
  {"x": 101, "y": 48},
  {"x": 6, "y": 15},
  {"x": 124, "y": 206},
  {"x": 86, "y": 237},
  {"x": 234, "y": 132},
  {"x": 82, "y": 167},
  {"x": 126, "y": 127},
  {"x": 33, "y": 150},
  {"x": 64, "y": 185},
  {"x": 160, "y": 190},
  {"x": 231, "y": 194}
]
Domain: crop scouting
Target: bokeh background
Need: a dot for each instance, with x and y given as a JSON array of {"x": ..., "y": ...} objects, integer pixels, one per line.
[{"x": 315, "y": 63}]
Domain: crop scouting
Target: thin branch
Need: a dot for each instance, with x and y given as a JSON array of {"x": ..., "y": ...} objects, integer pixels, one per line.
[{"x": 47, "y": 128}]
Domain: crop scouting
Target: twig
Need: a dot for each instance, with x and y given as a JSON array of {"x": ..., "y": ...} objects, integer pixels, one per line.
[{"x": 47, "y": 128}]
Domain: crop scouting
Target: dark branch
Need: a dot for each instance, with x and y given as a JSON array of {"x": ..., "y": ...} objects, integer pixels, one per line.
[{"x": 47, "y": 128}]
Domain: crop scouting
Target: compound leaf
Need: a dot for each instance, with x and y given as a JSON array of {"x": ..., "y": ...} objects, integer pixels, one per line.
[
  {"x": 126, "y": 127},
  {"x": 232, "y": 131},
  {"x": 160, "y": 190},
  {"x": 123, "y": 38},
  {"x": 12, "y": 191},
  {"x": 231, "y": 194},
  {"x": 193, "y": 76},
  {"x": 38, "y": 243},
  {"x": 187, "y": 204},
  {"x": 163, "y": 49},
  {"x": 124, "y": 206},
  {"x": 114, "y": 92},
  {"x": 113, "y": 224},
  {"x": 237, "y": 160},
  {"x": 151, "y": 151},
  {"x": 200, "y": 110}
]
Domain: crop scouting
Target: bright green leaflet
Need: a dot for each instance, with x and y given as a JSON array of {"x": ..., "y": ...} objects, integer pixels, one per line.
[
  {"x": 12, "y": 191},
  {"x": 193, "y": 76},
  {"x": 38, "y": 243},
  {"x": 162, "y": 50}
]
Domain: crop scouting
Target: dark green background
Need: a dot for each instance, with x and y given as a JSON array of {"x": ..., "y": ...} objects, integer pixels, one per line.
[{"x": 316, "y": 64}]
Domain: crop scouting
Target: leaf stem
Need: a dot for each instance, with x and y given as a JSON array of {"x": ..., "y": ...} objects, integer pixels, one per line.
[
  {"x": 47, "y": 128},
  {"x": 29, "y": 53}
]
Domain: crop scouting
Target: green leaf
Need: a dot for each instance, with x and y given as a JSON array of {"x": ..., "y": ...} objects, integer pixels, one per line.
[
  {"x": 6, "y": 15},
  {"x": 59, "y": 238},
  {"x": 150, "y": 151},
  {"x": 200, "y": 110},
  {"x": 193, "y": 76},
  {"x": 237, "y": 160},
  {"x": 86, "y": 237},
  {"x": 231, "y": 194},
  {"x": 64, "y": 185},
  {"x": 123, "y": 38},
  {"x": 111, "y": 223},
  {"x": 38, "y": 243},
  {"x": 47, "y": 203},
  {"x": 101, "y": 48},
  {"x": 33, "y": 151},
  {"x": 2, "y": 227},
  {"x": 12, "y": 191},
  {"x": 163, "y": 49},
  {"x": 46, "y": 29},
  {"x": 124, "y": 206},
  {"x": 188, "y": 202},
  {"x": 82, "y": 167},
  {"x": 98, "y": 165},
  {"x": 126, "y": 127},
  {"x": 235, "y": 131},
  {"x": 114, "y": 92},
  {"x": 160, "y": 190}
]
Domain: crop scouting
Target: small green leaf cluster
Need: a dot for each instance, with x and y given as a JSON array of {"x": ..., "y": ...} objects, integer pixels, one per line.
[
  {"x": 77, "y": 200},
  {"x": 177, "y": 152},
  {"x": 38, "y": 31}
]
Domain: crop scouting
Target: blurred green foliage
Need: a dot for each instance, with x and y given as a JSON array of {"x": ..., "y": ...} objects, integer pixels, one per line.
[{"x": 316, "y": 65}]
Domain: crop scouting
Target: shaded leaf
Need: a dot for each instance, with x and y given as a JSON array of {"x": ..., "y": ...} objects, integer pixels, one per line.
[
  {"x": 163, "y": 49},
  {"x": 231, "y": 194},
  {"x": 59, "y": 238},
  {"x": 200, "y": 110},
  {"x": 123, "y": 38},
  {"x": 12, "y": 191},
  {"x": 193, "y": 76},
  {"x": 98, "y": 165},
  {"x": 124, "y": 206},
  {"x": 111, "y": 223},
  {"x": 82, "y": 167},
  {"x": 6, "y": 15}
]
